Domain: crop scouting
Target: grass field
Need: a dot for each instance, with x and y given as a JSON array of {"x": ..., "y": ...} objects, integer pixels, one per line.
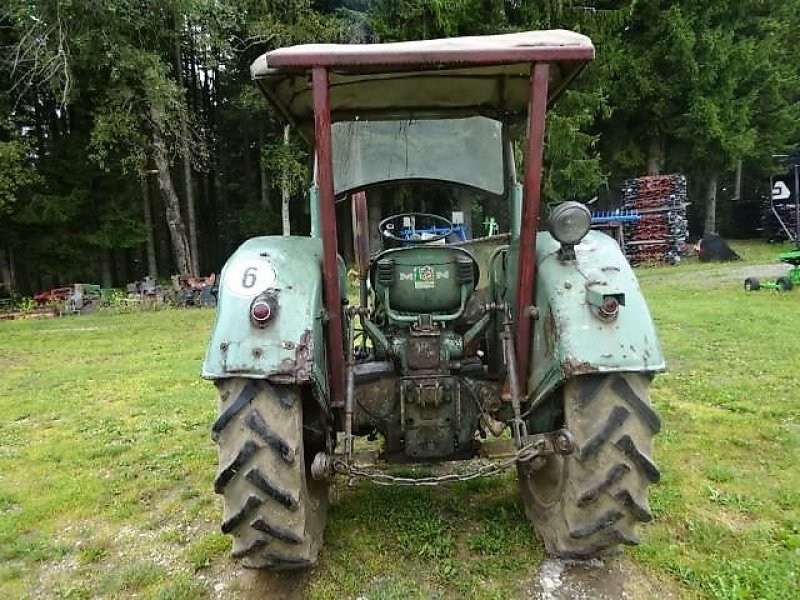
[{"x": 106, "y": 466}]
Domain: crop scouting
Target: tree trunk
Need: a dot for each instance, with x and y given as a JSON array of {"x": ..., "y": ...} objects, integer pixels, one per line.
[
  {"x": 187, "y": 162},
  {"x": 106, "y": 277},
  {"x": 152, "y": 268},
  {"x": 6, "y": 273},
  {"x": 654, "y": 157},
  {"x": 287, "y": 227},
  {"x": 120, "y": 262},
  {"x": 711, "y": 206},
  {"x": 172, "y": 204},
  {"x": 737, "y": 186},
  {"x": 221, "y": 198},
  {"x": 263, "y": 181},
  {"x": 190, "y": 210}
]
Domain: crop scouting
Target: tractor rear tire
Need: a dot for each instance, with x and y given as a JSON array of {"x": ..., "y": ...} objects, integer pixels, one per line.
[
  {"x": 784, "y": 284},
  {"x": 586, "y": 504},
  {"x": 273, "y": 508},
  {"x": 751, "y": 284}
]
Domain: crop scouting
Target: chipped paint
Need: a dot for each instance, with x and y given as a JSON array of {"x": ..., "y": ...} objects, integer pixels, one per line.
[
  {"x": 300, "y": 368},
  {"x": 570, "y": 340},
  {"x": 573, "y": 366},
  {"x": 285, "y": 350}
]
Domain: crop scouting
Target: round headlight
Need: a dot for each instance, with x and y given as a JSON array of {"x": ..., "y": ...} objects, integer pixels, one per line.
[{"x": 569, "y": 222}]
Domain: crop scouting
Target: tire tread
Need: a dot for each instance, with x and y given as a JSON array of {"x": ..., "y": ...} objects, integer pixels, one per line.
[
  {"x": 603, "y": 495},
  {"x": 276, "y": 513},
  {"x": 245, "y": 397},
  {"x": 245, "y": 455}
]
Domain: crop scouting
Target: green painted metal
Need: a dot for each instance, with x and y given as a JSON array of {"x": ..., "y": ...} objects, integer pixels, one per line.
[
  {"x": 313, "y": 206},
  {"x": 516, "y": 209},
  {"x": 289, "y": 349},
  {"x": 451, "y": 347},
  {"x": 439, "y": 316},
  {"x": 425, "y": 281},
  {"x": 482, "y": 249},
  {"x": 570, "y": 337}
]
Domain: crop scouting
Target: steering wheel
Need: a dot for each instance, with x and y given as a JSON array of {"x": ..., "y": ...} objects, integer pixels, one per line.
[{"x": 388, "y": 228}]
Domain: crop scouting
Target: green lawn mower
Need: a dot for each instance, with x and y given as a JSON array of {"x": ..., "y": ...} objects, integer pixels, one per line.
[{"x": 783, "y": 283}]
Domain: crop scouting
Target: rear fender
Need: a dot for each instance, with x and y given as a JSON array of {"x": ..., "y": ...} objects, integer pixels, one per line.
[
  {"x": 570, "y": 338},
  {"x": 290, "y": 348}
]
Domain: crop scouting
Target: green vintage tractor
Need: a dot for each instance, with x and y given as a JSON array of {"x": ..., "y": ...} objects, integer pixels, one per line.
[{"x": 539, "y": 336}]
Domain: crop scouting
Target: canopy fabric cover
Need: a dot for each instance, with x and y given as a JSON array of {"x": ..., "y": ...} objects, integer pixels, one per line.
[{"x": 485, "y": 75}]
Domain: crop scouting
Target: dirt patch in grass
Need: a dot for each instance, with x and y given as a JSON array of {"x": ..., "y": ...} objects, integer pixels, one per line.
[
  {"x": 553, "y": 579},
  {"x": 255, "y": 585},
  {"x": 609, "y": 579}
]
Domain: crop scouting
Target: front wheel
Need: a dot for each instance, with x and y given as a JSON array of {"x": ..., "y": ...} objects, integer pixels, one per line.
[
  {"x": 588, "y": 503},
  {"x": 784, "y": 284},
  {"x": 274, "y": 510}
]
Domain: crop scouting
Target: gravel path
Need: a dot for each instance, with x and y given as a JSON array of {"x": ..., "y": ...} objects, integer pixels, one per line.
[{"x": 730, "y": 273}]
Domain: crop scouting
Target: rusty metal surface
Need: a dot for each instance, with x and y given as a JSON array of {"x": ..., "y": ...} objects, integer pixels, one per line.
[
  {"x": 376, "y": 402},
  {"x": 330, "y": 263},
  {"x": 526, "y": 271},
  {"x": 535, "y": 447},
  {"x": 298, "y": 369},
  {"x": 361, "y": 233},
  {"x": 572, "y": 367},
  {"x": 423, "y": 351}
]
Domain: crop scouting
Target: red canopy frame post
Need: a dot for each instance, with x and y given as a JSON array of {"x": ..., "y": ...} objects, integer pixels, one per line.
[
  {"x": 526, "y": 271},
  {"x": 330, "y": 263}
]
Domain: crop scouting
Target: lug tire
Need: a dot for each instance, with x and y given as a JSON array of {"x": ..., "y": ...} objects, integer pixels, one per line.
[
  {"x": 751, "y": 284},
  {"x": 588, "y": 503},
  {"x": 273, "y": 509},
  {"x": 784, "y": 284}
]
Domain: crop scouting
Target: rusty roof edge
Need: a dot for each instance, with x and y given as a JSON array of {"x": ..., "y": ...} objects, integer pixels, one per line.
[{"x": 531, "y": 46}]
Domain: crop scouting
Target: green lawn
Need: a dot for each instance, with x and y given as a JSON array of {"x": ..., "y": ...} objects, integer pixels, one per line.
[{"x": 106, "y": 465}]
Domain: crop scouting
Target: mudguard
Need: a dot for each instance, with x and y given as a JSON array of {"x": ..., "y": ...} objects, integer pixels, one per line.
[
  {"x": 290, "y": 347},
  {"x": 572, "y": 336}
]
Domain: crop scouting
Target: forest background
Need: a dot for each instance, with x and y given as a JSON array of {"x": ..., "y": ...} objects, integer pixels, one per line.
[{"x": 133, "y": 142}]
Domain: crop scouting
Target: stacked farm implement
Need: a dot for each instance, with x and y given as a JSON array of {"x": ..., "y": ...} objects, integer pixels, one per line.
[
  {"x": 659, "y": 235},
  {"x": 779, "y": 221}
]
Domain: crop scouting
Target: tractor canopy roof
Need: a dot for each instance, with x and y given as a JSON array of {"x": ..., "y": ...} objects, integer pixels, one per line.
[{"x": 445, "y": 78}]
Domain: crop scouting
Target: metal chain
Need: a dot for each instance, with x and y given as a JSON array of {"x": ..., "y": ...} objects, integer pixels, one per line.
[{"x": 524, "y": 454}]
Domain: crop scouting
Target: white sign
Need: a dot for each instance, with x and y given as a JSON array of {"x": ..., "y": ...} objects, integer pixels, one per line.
[
  {"x": 249, "y": 276},
  {"x": 780, "y": 191}
]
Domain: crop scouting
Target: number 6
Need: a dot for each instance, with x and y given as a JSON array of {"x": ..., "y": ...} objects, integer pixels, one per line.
[{"x": 249, "y": 277}]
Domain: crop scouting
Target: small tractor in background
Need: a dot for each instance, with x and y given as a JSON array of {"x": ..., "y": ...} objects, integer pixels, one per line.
[
  {"x": 780, "y": 191},
  {"x": 784, "y": 283}
]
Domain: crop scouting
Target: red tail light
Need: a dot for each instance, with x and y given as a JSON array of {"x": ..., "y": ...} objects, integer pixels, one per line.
[{"x": 262, "y": 309}]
